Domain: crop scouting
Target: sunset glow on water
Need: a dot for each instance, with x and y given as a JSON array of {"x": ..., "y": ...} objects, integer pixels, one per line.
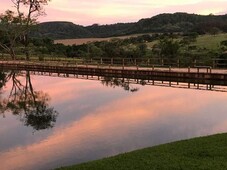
[{"x": 96, "y": 121}]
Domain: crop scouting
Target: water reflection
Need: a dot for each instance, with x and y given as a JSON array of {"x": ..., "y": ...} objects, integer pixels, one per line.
[
  {"x": 128, "y": 83},
  {"x": 97, "y": 121},
  {"x": 3, "y": 79},
  {"x": 116, "y": 82},
  {"x": 30, "y": 105}
]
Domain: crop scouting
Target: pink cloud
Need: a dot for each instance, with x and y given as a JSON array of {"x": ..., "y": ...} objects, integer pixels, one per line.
[{"x": 107, "y": 12}]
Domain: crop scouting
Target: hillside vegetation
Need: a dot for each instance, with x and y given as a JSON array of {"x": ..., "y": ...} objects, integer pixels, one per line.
[
  {"x": 181, "y": 40},
  {"x": 61, "y": 30},
  {"x": 163, "y": 23}
]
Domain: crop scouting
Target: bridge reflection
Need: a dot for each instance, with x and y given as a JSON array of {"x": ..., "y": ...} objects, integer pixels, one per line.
[{"x": 126, "y": 83}]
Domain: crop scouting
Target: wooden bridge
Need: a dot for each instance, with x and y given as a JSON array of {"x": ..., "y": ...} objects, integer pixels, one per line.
[{"x": 198, "y": 74}]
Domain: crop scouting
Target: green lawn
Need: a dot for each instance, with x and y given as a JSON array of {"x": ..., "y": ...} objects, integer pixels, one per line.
[
  {"x": 210, "y": 41},
  {"x": 208, "y": 153}
]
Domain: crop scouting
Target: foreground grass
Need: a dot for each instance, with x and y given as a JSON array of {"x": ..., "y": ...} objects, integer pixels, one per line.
[{"x": 199, "y": 153}]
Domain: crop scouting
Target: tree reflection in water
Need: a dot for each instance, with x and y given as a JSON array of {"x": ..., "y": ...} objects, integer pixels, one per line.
[
  {"x": 116, "y": 82},
  {"x": 31, "y": 106}
]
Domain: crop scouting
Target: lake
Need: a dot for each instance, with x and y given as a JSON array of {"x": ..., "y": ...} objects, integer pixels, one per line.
[{"x": 48, "y": 121}]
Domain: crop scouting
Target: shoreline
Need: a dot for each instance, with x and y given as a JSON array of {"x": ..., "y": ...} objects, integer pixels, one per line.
[{"x": 209, "y": 152}]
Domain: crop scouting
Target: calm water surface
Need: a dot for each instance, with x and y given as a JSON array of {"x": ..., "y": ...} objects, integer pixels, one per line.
[{"x": 48, "y": 122}]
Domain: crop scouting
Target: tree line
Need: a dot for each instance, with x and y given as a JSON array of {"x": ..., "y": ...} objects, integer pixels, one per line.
[
  {"x": 163, "y": 23},
  {"x": 17, "y": 38}
]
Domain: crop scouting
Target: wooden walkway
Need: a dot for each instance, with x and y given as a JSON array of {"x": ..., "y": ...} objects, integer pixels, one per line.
[{"x": 204, "y": 75}]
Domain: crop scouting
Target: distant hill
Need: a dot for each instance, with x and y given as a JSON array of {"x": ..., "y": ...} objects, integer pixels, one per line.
[
  {"x": 182, "y": 22},
  {"x": 61, "y": 30},
  {"x": 102, "y": 31},
  {"x": 177, "y": 22}
]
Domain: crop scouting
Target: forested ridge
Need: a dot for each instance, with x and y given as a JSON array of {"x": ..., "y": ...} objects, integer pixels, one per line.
[{"x": 177, "y": 22}]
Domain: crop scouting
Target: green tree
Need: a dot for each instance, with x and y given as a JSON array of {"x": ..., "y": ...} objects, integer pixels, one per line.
[
  {"x": 189, "y": 38},
  {"x": 16, "y": 26},
  {"x": 142, "y": 50},
  {"x": 10, "y": 31},
  {"x": 224, "y": 43},
  {"x": 169, "y": 48},
  {"x": 214, "y": 30},
  {"x": 95, "y": 51}
]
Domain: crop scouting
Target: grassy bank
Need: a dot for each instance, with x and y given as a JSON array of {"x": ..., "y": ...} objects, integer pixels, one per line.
[{"x": 199, "y": 153}]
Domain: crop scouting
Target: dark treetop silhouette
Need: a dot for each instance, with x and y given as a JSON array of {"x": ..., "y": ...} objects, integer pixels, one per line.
[{"x": 115, "y": 82}]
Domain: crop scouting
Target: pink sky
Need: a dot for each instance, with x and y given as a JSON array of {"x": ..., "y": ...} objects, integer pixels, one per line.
[{"x": 88, "y": 12}]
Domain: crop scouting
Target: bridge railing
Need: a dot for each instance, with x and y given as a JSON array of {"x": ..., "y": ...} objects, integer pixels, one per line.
[{"x": 131, "y": 62}]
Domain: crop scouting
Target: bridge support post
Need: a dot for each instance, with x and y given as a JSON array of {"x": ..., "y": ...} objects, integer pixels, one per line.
[
  {"x": 214, "y": 63},
  {"x": 101, "y": 61},
  {"x": 195, "y": 62}
]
